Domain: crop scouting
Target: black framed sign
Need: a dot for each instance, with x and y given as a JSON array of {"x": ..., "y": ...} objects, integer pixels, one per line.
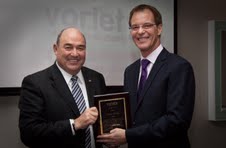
[{"x": 114, "y": 111}]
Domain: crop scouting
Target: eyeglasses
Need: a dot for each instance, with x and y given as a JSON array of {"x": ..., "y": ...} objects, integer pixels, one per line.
[{"x": 145, "y": 26}]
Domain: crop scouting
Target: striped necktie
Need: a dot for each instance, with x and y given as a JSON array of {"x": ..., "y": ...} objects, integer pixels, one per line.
[{"x": 80, "y": 101}]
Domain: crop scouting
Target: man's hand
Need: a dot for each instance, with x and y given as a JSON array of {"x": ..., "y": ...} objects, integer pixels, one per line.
[
  {"x": 88, "y": 117},
  {"x": 116, "y": 137}
]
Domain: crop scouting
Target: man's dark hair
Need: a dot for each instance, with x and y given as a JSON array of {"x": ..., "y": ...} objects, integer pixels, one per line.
[{"x": 142, "y": 7}]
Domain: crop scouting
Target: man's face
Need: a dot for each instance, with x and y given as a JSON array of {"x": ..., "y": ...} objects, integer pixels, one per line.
[
  {"x": 71, "y": 51},
  {"x": 145, "y": 33}
]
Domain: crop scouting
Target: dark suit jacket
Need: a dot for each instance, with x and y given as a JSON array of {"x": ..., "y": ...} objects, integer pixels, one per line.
[
  {"x": 162, "y": 117},
  {"x": 46, "y": 105}
]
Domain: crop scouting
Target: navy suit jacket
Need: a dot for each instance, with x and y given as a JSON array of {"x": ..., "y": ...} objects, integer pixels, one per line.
[
  {"x": 46, "y": 105},
  {"x": 162, "y": 117}
]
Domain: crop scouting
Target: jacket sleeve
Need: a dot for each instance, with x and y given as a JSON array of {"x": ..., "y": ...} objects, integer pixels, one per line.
[{"x": 35, "y": 129}]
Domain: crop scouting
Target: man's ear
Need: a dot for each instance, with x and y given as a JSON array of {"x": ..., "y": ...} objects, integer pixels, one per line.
[
  {"x": 159, "y": 27},
  {"x": 55, "y": 48}
]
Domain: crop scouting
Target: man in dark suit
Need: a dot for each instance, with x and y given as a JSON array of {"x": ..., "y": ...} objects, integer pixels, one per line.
[
  {"x": 162, "y": 109},
  {"x": 49, "y": 115}
]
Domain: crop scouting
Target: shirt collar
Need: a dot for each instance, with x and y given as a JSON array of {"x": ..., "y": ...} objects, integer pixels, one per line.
[
  {"x": 153, "y": 56},
  {"x": 68, "y": 76}
]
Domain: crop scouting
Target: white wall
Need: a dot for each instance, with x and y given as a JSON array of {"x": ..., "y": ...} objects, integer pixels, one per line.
[
  {"x": 192, "y": 41},
  {"x": 9, "y": 115}
]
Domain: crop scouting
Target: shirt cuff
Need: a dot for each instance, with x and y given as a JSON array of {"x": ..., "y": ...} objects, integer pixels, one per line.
[{"x": 72, "y": 126}]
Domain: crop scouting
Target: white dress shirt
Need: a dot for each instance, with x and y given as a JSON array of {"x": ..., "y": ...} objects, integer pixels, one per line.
[
  {"x": 152, "y": 58},
  {"x": 81, "y": 83}
]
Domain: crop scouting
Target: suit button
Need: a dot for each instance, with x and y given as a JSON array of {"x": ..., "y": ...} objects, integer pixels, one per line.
[{"x": 134, "y": 122}]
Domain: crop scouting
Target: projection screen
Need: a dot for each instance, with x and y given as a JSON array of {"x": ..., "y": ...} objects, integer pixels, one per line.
[{"x": 29, "y": 29}]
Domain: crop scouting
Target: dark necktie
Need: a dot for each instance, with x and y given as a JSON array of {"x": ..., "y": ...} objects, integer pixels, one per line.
[
  {"x": 143, "y": 77},
  {"x": 80, "y": 101}
]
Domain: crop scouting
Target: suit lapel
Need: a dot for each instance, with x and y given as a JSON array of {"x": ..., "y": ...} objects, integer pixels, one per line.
[
  {"x": 160, "y": 61},
  {"x": 89, "y": 85},
  {"x": 133, "y": 78},
  {"x": 61, "y": 86}
]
